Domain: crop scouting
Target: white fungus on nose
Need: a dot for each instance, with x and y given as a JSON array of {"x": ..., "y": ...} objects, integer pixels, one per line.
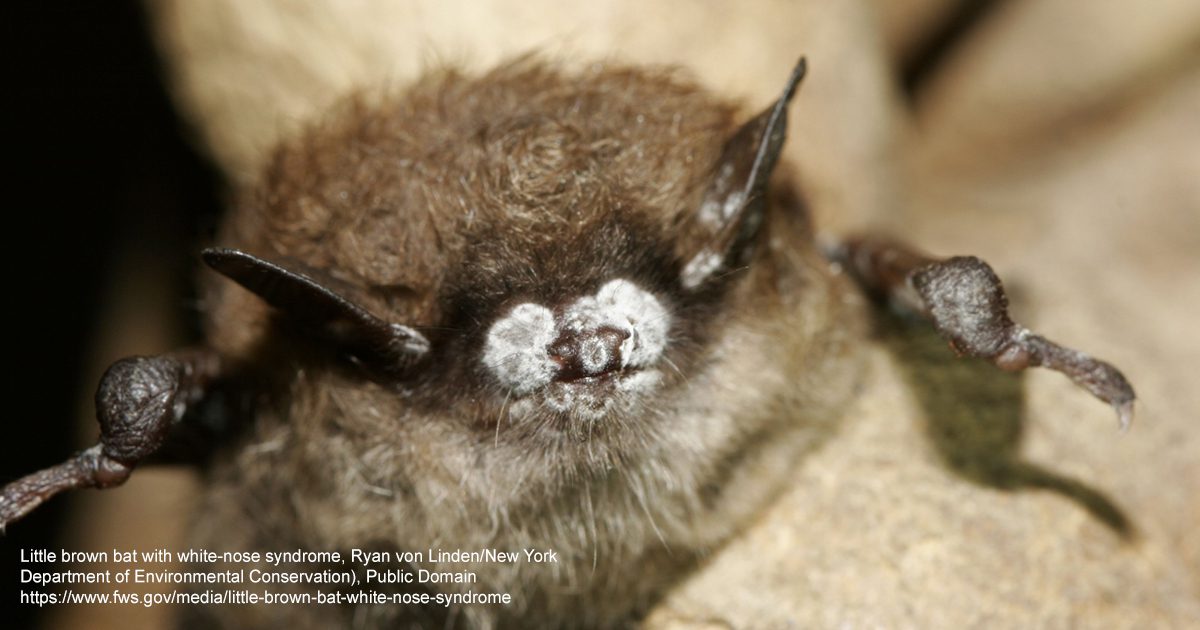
[
  {"x": 594, "y": 354},
  {"x": 517, "y": 352}
]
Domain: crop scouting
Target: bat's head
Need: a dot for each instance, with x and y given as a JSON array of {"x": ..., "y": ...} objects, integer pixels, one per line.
[{"x": 539, "y": 258}]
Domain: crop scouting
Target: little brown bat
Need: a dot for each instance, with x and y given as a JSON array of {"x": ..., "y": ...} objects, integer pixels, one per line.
[{"x": 577, "y": 311}]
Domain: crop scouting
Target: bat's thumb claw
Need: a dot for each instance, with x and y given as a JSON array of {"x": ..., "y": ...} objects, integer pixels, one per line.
[{"x": 1124, "y": 415}]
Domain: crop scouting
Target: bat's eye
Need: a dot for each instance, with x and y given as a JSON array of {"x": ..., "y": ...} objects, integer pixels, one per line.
[{"x": 619, "y": 330}]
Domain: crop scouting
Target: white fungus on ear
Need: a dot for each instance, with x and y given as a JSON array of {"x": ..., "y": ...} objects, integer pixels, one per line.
[
  {"x": 717, "y": 209},
  {"x": 515, "y": 350},
  {"x": 700, "y": 267},
  {"x": 409, "y": 340}
]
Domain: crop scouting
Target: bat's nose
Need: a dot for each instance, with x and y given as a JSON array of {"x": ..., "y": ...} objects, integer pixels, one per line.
[{"x": 589, "y": 352}]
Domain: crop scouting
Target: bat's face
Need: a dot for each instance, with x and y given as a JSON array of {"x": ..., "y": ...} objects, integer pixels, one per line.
[
  {"x": 552, "y": 270},
  {"x": 562, "y": 354}
]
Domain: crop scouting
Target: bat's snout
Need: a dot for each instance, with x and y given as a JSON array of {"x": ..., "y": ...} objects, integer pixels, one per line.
[
  {"x": 593, "y": 352},
  {"x": 617, "y": 332}
]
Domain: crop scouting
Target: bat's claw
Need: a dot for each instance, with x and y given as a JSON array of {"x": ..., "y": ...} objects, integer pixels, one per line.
[
  {"x": 138, "y": 401},
  {"x": 1124, "y": 414},
  {"x": 966, "y": 302}
]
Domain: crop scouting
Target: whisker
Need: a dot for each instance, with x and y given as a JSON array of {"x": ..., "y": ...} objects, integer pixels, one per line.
[
  {"x": 500, "y": 418},
  {"x": 675, "y": 367},
  {"x": 731, "y": 272},
  {"x": 639, "y": 493}
]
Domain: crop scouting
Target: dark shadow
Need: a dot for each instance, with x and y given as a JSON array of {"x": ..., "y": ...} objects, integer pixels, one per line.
[
  {"x": 975, "y": 417},
  {"x": 98, "y": 170},
  {"x": 958, "y": 23}
]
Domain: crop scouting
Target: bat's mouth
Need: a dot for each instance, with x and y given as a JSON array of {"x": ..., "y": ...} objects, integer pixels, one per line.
[
  {"x": 606, "y": 379},
  {"x": 591, "y": 397}
]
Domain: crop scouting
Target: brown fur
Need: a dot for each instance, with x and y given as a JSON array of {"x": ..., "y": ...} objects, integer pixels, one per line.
[{"x": 437, "y": 207}]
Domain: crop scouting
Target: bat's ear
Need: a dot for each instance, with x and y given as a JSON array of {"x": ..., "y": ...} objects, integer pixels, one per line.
[
  {"x": 379, "y": 345},
  {"x": 733, "y": 204}
]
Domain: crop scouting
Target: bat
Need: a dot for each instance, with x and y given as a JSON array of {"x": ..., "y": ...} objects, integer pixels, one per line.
[{"x": 581, "y": 313}]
